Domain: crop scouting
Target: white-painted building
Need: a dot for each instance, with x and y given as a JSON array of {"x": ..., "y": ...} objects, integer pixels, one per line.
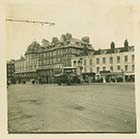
[
  {"x": 118, "y": 62},
  {"x": 26, "y": 67},
  {"x": 20, "y": 65}
]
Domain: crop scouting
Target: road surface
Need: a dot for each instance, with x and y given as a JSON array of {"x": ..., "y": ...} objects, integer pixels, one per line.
[{"x": 80, "y": 108}]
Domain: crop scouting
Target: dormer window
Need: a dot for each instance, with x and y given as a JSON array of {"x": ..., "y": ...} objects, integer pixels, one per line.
[
  {"x": 68, "y": 41},
  {"x": 83, "y": 44},
  {"x": 78, "y": 43}
]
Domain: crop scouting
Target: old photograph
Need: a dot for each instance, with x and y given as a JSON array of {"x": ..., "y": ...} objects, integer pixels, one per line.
[{"x": 71, "y": 66}]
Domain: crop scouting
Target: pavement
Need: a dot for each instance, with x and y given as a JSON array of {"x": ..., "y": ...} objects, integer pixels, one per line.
[{"x": 107, "y": 108}]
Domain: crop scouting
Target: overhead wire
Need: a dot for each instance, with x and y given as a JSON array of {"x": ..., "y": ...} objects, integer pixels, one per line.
[{"x": 31, "y": 21}]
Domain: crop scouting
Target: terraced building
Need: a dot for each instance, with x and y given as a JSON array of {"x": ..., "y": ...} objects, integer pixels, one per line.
[{"x": 41, "y": 62}]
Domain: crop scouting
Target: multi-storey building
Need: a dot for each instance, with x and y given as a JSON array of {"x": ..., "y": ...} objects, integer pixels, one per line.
[
  {"x": 10, "y": 71},
  {"x": 117, "y": 63},
  {"x": 41, "y": 62},
  {"x": 31, "y": 61},
  {"x": 59, "y": 53},
  {"x": 25, "y": 67},
  {"x": 19, "y": 69}
]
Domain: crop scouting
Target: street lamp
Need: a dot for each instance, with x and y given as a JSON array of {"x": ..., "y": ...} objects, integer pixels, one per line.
[
  {"x": 123, "y": 76},
  {"x": 81, "y": 67}
]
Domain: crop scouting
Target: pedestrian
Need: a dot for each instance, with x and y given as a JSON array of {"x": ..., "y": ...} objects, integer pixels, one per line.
[
  {"x": 8, "y": 83},
  {"x": 33, "y": 82}
]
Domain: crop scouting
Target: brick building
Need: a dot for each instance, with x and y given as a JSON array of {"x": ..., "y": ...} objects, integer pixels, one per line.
[{"x": 10, "y": 71}]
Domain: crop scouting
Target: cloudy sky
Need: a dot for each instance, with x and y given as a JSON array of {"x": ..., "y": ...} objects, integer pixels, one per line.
[{"x": 103, "y": 21}]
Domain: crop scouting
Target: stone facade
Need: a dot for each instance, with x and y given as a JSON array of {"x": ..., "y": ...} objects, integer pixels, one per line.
[
  {"x": 41, "y": 62},
  {"x": 25, "y": 67},
  {"x": 10, "y": 65}
]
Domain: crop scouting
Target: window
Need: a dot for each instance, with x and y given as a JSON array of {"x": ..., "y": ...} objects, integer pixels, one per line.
[
  {"x": 104, "y": 60},
  {"x": 90, "y": 61},
  {"x": 98, "y": 69},
  {"x": 104, "y": 68},
  {"x": 97, "y": 61},
  {"x": 74, "y": 63},
  {"x": 54, "y": 53},
  {"x": 61, "y": 52},
  {"x": 49, "y": 54},
  {"x": 59, "y": 59},
  {"x": 54, "y": 60},
  {"x": 133, "y": 57},
  {"x": 48, "y": 61},
  {"x": 126, "y": 58},
  {"x": 118, "y": 59},
  {"x": 85, "y": 69},
  {"x": 51, "y": 61},
  {"x": 66, "y": 63},
  {"x": 118, "y": 67},
  {"x": 79, "y": 61},
  {"x": 133, "y": 67},
  {"x": 111, "y": 68},
  {"x": 111, "y": 59},
  {"x": 85, "y": 62},
  {"x": 41, "y": 56},
  {"x": 91, "y": 69},
  {"x": 126, "y": 67}
]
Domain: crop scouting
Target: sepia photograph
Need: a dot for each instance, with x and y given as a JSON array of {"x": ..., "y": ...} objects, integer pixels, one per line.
[{"x": 70, "y": 66}]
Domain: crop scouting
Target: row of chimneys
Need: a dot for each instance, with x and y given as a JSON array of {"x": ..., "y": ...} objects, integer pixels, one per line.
[
  {"x": 68, "y": 36},
  {"x": 126, "y": 44},
  {"x": 64, "y": 37}
]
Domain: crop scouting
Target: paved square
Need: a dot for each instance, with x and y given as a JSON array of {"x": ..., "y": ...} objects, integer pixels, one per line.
[{"x": 80, "y": 108}]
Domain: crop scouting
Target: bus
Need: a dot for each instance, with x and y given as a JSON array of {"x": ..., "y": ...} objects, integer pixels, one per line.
[{"x": 67, "y": 75}]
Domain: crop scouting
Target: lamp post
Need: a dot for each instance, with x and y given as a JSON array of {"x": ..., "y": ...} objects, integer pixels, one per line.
[
  {"x": 123, "y": 76},
  {"x": 80, "y": 68}
]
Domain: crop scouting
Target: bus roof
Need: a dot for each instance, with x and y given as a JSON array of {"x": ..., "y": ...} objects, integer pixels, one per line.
[{"x": 69, "y": 68}]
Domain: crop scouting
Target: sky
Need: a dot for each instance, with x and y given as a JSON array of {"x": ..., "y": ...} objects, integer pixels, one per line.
[{"x": 103, "y": 21}]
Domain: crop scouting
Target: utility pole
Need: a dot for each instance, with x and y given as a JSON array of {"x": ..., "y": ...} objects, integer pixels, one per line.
[{"x": 31, "y": 21}]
